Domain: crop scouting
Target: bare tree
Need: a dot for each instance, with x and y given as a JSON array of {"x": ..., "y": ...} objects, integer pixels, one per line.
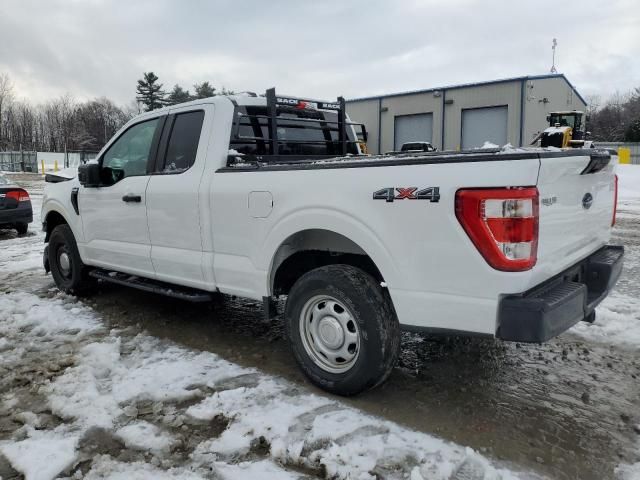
[
  {"x": 593, "y": 103},
  {"x": 6, "y": 95}
]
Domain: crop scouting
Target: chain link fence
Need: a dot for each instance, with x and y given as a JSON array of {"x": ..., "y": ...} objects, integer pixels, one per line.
[
  {"x": 35, "y": 161},
  {"x": 634, "y": 148},
  {"x": 19, "y": 162}
]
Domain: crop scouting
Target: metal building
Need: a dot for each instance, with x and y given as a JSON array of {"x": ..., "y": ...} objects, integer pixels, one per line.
[{"x": 511, "y": 110}]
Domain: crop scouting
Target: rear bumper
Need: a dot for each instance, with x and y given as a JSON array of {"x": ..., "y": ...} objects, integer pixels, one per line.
[
  {"x": 17, "y": 215},
  {"x": 554, "y": 306}
]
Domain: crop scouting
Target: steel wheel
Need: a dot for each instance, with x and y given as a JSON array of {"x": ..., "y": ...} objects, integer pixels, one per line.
[
  {"x": 330, "y": 334},
  {"x": 64, "y": 262},
  {"x": 66, "y": 266}
]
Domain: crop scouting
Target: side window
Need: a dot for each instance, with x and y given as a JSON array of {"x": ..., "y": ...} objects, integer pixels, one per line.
[
  {"x": 129, "y": 154},
  {"x": 183, "y": 142}
]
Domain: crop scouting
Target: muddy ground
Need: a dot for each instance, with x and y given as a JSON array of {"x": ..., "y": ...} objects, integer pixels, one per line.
[{"x": 568, "y": 409}]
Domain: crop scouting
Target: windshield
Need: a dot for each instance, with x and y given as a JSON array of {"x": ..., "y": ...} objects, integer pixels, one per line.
[{"x": 565, "y": 120}]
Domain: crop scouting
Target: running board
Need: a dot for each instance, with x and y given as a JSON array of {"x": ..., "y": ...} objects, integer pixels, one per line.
[{"x": 153, "y": 286}]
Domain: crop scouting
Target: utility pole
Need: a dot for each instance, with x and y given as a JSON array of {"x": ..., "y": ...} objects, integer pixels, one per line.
[{"x": 553, "y": 63}]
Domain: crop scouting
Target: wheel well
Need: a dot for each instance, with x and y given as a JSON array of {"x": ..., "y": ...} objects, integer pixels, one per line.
[
  {"x": 52, "y": 220},
  {"x": 310, "y": 249}
]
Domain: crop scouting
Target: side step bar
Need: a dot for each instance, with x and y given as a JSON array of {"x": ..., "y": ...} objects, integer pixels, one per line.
[{"x": 153, "y": 286}]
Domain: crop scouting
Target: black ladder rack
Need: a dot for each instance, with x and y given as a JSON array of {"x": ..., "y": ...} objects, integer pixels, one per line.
[{"x": 307, "y": 108}]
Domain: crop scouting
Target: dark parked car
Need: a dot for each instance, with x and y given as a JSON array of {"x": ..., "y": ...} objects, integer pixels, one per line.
[
  {"x": 417, "y": 147},
  {"x": 15, "y": 206}
]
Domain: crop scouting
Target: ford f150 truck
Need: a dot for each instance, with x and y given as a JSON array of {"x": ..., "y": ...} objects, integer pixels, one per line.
[{"x": 268, "y": 197}]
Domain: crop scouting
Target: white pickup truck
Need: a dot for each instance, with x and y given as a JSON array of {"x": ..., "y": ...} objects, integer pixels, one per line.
[{"x": 267, "y": 197}]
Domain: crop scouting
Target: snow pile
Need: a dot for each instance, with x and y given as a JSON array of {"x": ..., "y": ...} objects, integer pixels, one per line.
[
  {"x": 42, "y": 457},
  {"x": 488, "y": 144},
  {"x": 628, "y": 472},
  {"x": 100, "y": 388},
  {"x": 145, "y": 436},
  {"x": 105, "y": 467},
  {"x": 311, "y": 430},
  {"x": 44, "y": 321},
  {"x": 254, "y": 471},
  {"x": 617, "y": 322}
]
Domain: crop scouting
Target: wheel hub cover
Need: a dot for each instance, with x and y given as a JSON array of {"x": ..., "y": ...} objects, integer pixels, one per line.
[
  {"x": 331, "y": 333},
  {"x": 65, "y": 263}
]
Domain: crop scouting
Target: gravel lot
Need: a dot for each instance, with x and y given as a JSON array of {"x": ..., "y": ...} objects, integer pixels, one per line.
[{"x": 125, "y": 384}]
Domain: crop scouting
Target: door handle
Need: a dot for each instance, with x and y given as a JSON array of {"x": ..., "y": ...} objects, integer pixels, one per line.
[{"x": 132, "y": 198}]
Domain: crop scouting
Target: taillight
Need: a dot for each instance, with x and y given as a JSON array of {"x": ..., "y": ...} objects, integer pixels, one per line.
[
  {"x": 502, "y": 223},
  {"x": 19, "y": 195},
  {"x": 615, "y": 201}
]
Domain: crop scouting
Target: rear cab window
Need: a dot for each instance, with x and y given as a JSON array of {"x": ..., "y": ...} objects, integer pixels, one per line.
[{"x": 296, "y": 136}]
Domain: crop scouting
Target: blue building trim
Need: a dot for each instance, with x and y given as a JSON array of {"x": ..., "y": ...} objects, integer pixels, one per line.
[
  {"x": 379, "y": 124},
  {"x": 444, "y": 105},
  {"x": 523, "y": 85}
]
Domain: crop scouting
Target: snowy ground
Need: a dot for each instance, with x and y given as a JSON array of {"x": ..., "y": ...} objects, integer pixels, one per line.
[
  {"x": 81, "y": 399},
  {"x": 618, "y": 317}
]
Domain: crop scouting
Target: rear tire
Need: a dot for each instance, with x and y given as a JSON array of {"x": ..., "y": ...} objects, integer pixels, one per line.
[
  {"x": 67, "y": 269},
  {"x": 355, "y": 340},
  {"x": 22, "y": 228}
]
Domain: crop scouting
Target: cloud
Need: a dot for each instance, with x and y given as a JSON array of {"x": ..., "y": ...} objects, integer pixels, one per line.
[{"x": 320, "y": 49}]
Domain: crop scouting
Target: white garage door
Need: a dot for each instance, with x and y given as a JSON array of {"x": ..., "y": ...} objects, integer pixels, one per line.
[
  {"x": 481, "y": 125},
  {"x": 413, "y": 128}
]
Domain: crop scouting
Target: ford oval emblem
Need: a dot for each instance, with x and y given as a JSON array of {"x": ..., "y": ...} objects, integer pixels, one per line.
[{"x": 587, "y": 200}]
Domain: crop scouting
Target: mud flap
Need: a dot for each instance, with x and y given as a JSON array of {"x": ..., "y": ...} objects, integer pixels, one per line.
[
  {"x": 269, "y": 308},
  {"x": 45, "y": 259}
]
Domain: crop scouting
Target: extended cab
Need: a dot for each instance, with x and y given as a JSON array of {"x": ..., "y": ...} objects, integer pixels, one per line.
[{"x": 267, "y": 197}]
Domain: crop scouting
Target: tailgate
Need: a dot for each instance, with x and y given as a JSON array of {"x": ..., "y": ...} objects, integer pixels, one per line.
[{"x": 577, "y": 191}]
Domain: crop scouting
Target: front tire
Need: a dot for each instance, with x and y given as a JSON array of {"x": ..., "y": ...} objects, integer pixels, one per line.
[
  {"x": 342, "y": 329},
  {"x": 67, "y": 269}
]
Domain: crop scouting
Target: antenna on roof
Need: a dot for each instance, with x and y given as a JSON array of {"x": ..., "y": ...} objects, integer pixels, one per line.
[{"x": 553, "y": 63}]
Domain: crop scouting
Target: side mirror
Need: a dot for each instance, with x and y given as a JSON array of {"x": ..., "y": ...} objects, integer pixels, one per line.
[{"x": 89, "y": 175}]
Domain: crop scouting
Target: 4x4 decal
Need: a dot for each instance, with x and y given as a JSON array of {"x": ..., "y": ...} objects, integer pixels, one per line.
[{"x": 390, "y": 194}]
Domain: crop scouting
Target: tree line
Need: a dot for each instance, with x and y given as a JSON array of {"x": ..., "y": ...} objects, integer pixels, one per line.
[
  {"x": 615, "y": 120},
  {"x": 66, "y": 124},
  {"x": 151, "y": 95}
]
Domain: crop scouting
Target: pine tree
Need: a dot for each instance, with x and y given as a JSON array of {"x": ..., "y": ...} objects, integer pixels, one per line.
[
  {"x": 633, "y": 132},
  {"x": 178, "y": 95},
  {"x": 150, "y": 93},
  {"x": 204, "y": 90}
]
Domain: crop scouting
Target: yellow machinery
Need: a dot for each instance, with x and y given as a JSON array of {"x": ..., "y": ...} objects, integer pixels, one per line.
[{"x": 566, "y": 130}]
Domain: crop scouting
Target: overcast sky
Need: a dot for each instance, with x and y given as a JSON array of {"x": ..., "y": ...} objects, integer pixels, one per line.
[{"x": 319, "y": 48}]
